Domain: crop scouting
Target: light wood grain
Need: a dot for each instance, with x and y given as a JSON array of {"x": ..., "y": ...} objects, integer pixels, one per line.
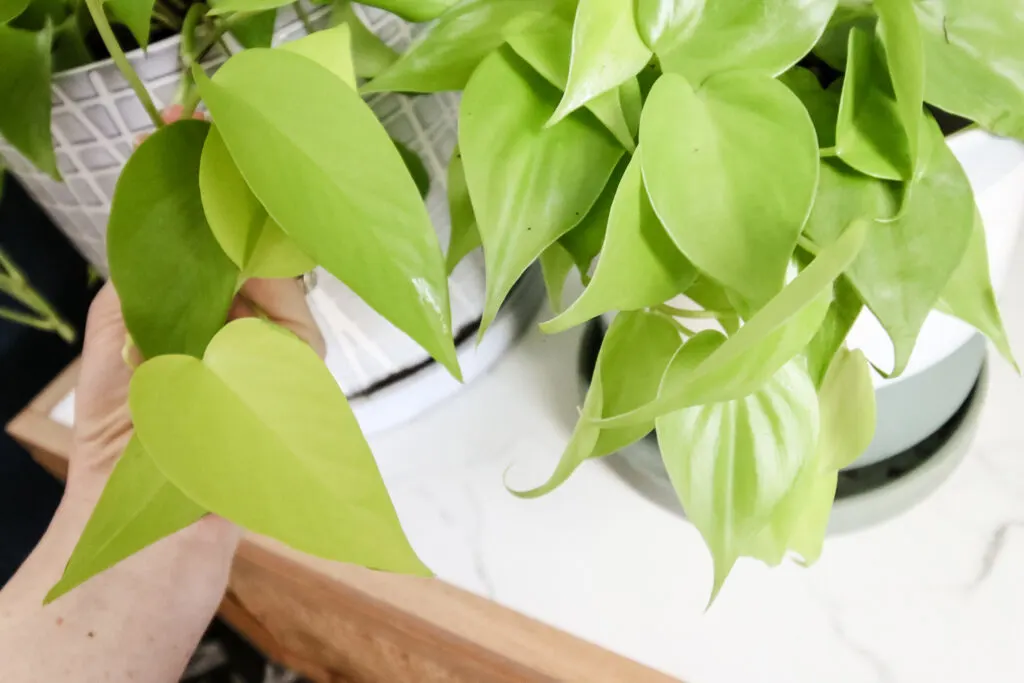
[{"x": 337, "y": 623}]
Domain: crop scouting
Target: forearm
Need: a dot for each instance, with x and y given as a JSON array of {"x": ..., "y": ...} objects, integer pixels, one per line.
[{"x": 138, "y": 621}]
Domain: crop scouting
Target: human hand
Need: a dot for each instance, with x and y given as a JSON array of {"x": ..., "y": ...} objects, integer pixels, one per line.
[{"x": 103, "y": 423}]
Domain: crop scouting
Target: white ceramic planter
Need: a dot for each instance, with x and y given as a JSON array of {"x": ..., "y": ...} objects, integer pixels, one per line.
[{"x": 96, "y": 120}]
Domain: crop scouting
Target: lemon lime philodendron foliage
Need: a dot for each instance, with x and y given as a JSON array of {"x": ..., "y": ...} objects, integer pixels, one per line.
[
  {"x": 292, "y": 170},
  {"x": 684, "y": 146},
  {"x": 659, "y": 147}
]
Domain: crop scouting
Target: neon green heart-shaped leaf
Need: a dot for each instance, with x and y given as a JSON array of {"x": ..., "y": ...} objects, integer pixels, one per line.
[
  {"x": 530, "y": 184},
  {"x": 974, "y": 61},
  {"x": 745, "y": 140},
  {"x": 174, "y": 281},
  {"x": 255, "y": 30},
  {"x": 732, "y": 463},
  {"x": 700, "y": 38},
  {"x": 607, "y": 51},
  {"x": 138, "y": 507},
  {"x": 250, "y": 238},
  {"x": 555, "y": 264},
  {"x": 842, "y": 314},
  {"x": 259, "y": 432},
  {"x": 218, "y": 7},
  {"x": 907, "y": 261},
  {"x": 25, "y": 79},
  {"x": 545, "y": 47},
  {"x": 769, "y": 340},
  {"x": 639, "y": 265},
  {"x": 846, "y": 407},
  {"x": 460, "y": 40},
  {"x": 370, "y": 54},
  {"x": 464, "y": 236},
  {"x": 847, "y": 400},
  {"x": 136, "y": 15},
  {"x": 347, "y": 199},
  {"x": 969, "y": 295},
  {"x": 414, "y": 10},
  {"x": 880, "y": 112},
  {"x": 331, "y": 49},
  {"x": 634, "y": 355},
  {"x": 823, "y": 106}
]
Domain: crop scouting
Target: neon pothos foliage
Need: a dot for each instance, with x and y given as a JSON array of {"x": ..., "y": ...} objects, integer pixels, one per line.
[
  {"x": 241, "y": 418},
  {"x": 768, "y": 168},
  {"x": 688, "y": 148}
]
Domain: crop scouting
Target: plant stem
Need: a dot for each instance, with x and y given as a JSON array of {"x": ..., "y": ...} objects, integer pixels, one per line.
[
  {"x": 666, "y": 312},
  {"x": 826, "y": 152},
  {"x": 117, "y": 54},
  {"x": 807, "y": 245},
  {"x": 14, "y": 283},
  {"x": 26, "y": 319},
  {"x": 303, "y": 17}
]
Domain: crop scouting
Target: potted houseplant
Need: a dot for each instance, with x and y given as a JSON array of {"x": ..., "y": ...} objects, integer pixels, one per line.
[
  {"x": 694, "y": 154},
  {"x": 95, "y": 115},
  {"x": 773, "y": 162}
]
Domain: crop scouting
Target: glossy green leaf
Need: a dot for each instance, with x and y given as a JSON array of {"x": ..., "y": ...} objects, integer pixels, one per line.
[
  {"x": 545, "y": 47},
  {"x": 732, "y": 463},
  {"x": 331, "y": 49},
  {"x": 870, "y": 135},
  {"x": 9, "y": 9},
  {"x": 460, "y": 40},
  {"x": 218, "y": 7},
  {"x": 969, "y": 295},
  {"x": 900, "y": 33},
  {"x": 701, "y": 38},
  {"x": 745, "y": 140},
  {"x": 800, "y": 521},
  {"x": 252, "y": 240},
  {"x": 414, "y": 10},
  {"x": 584, "y": 241},
  {"x": 847, "y": 400},
  {"x": 465, "y": 237},
  {"x": 174, "y": 281},
  {"x": 254, "y": 30},
  {"x": 842, "y": 314},
  {"x": 370, "y": 54},
  {"x": 555, "y": 264},
  {"x": 530, "y": 183},
  {"x": 634, "y": 355},
  {"x": 607, "y": 51},
  {"x": 136, "y": 15},
  {"x": 138, "y": 507},
  {"x": 639, "y": 265},
  {"x": 25, "y": 79},
  {"x": 974, "y": 61},
  {"x": 822, "y": 106},
  {"x": 776, "y": 334},
  {"x": 258, "y": 432},
  {"x": 417, "y": 169},
  {"x": 365, "y": 223},
  {"x": 906, "y": 262}
]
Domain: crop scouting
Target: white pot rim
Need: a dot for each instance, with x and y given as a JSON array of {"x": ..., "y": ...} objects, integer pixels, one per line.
[{"x": 135, "y": 55}]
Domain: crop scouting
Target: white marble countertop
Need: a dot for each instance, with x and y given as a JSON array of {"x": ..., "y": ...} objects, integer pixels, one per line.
[{"x": 935, "y": 594}]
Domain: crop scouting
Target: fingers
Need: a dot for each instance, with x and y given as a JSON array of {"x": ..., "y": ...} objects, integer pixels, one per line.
[
  {"x": 170, "y": 115},
  {"x": 283, "y": 301}
]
